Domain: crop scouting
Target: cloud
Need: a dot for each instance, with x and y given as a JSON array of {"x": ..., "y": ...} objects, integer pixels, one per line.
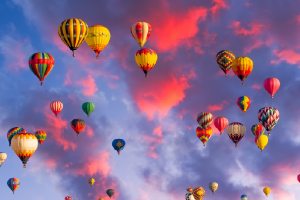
[
  {"x": 88, "y": 84},
  {"x": 254, "y": 30},
  {"x": 256, "y": 86},
  {"x": 289, "y": 56},
  {"x": 218, "y": 5}
]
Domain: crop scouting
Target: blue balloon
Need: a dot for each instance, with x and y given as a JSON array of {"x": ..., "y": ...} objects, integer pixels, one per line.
[
  {"x": 244, "y": 197},
  {"x": 118, "y": 145}
]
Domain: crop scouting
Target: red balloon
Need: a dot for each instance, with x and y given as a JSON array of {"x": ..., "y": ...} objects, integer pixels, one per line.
[
  {"x": 221, "y": 123},
  {"x": 298, "y": 177},
  {"x": 56, "y": 107},
  {"x": 272, "y": 85}
]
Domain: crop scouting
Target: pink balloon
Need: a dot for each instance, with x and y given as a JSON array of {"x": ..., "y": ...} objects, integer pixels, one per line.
[
  {"x": 298, "y": 177},
  {"x": 221, "y": 123},
  {"x": 272, "y": 85}
]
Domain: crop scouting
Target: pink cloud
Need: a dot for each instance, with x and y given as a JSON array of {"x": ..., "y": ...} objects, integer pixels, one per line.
[
  {"x": 248, "y": 4},
  {"x": 256, "y": 86},
  {"x": 88, "y": 84},
  {"x": 157, "y": 131},
  {"x": 255, "y": 28},
  {"x": 212, "y": 108},
  {"x": 218, "y": 5},
  {"x": 289, "y": 56}
]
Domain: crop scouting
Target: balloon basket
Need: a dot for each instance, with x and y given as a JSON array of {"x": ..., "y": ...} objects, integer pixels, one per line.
[{"x": 24, "y": 166}]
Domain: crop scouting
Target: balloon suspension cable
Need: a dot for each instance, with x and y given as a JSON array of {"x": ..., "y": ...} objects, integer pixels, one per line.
[
  {"x": 261, "y": 150},
  {"x": 13, "y": 192},
  {"x": 88, "y": 116},
  {"x": 9, "y": 144},
  {"x": 73, "y": 53},
  {"x": 118, "y": 152},
  {"x": 56, "y": 116},
  {"x": 24, "y": 166},
  {"x": 244, "y": 113},
  {"x": 204, "y": 145},
  {"x": 242, "y": 83},
  {"x": 41, "y": 82},
  {"x": 225, "y": 75},
  {"x": 221, "y": 132}
]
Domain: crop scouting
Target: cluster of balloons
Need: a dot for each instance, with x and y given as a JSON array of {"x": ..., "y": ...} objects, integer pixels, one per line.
[{"x": 266, "y": 190}]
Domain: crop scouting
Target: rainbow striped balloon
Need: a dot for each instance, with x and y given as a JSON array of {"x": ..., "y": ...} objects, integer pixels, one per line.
[
  {"x": 12, "y": 132},
  {"x": 205, "y": 119},
  {"x": 243, "y": 103},
  {"x": 41, "y": 64},
  {"x": 258, "y": 130}
]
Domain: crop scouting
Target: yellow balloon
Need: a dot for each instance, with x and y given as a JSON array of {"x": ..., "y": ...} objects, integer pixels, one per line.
[
  {"x": 91, "y": 181},
  {"x": 98, "y": 37},
  {"x": 146, "y": 59},
  {"x": 262, "y": 142},
  {"x": 267, "y": 190},
  {"x": 242, "y": 67},
  {"x": 100, "y": 199}
]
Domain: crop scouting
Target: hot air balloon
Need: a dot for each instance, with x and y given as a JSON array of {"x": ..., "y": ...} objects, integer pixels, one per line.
[
  {"x": 243, "y": 103},
  {"x": 224, "y": 59},
  {"x": 41, "y": 136},
  {"x": 24, "y": 145},
  {"x": 267, "y": 190},
  {"x": 141, "y": 31},
  {"x": 97, "y": 38},
  {"x": 73, "y": 32},
  {"x": 221, "y": 123},
  {"x": 56, "y": 107},
  {"x": 189, "y": 190},
  {"x": 268, "y": 117},
  {"x": 236, "y": 132},
  {"x": 203, "y": 134},
  {"x": 110, "y": 192},
  {"x": 41, "y": 65},
  {"x": 205, "y": 119},
  {"x": 68, "y": 198},
  {"x": 256, "y": 141},
  {"x": 244, "y": 197},
  {"x": 12, "y": 132},
  {"x": 198, "y": 193},
  {"x": 146, "y": 59},
  {"x": 3, "y": 157},
  {"x": 242, "y": 67},
  {"x": 13, "y": 184},
  {"x": 213, "y": 186},
  {"x": 271, "y": 85},
  {"x": 77, "y": 125},
  {"x": 189, "y": 196},
  {"x": 118, "y": 145},
  {"x": 298, "y": 177},
  {"x": 91, "y": 181},
  {"x": 88, "y": 108},
  {"x": 257, "y": 130},
  {"x": 262, "y": 142},
  {"x": 100, "y": 199}
]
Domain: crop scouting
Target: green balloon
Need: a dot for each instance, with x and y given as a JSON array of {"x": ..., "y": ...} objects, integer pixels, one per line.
[
  {"x": 110, "y": 192},
  {"x": 88, "y": 108}
]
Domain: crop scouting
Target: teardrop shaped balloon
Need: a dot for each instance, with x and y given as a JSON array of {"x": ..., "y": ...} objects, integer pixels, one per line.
[
  {"x": 13, "y": 184},
  {"x": 73, "y": 32},
  {"x": 298, "y": 177},
  {"x": 110, "y": 192},
  {"x": 236, "y": 132},
  {"x": 146, "y": 59},
  {"x": 221, "y": 123},
  {"x": 189, "y": 196},
  {"x": 243, "y": 103},
  {"x": 271, "y": 85},
  {"x": 77, "y": 125},
  {"x": 56, "y": 107},
  {"x": 198, "y": 193},
  {"x": 203, "y": 134},
  {"x": 88, "y": 108},
  {"x": 91, "y": 181},
  {"x": 268, "y": 117},
  {"x": 205, "y": 119},
  {"x": 68, "y": 198},
  {"x": 242, "y": 67},
  {"x": 244, "y": 197},
  {"x": 97, "y": 38},
  {"x": 258, "y": 130},
  {"x": 224, "y": 59},
  {"x": 213, "y": 186},
  {"x": 267, "y": 190},
  {"x": 41, "y": 136},
  {"x": 24, "y": 145},
  {"x": 13, "y": 131},
  {"x": 189, "y": 190},
  {"x": 141, "y": 31},
  {"x": 3, "y": 157},
  {"x": 262, "y": 142},
  {"x": 41, "y": 65},
  {"x": 118, "y": 145}
]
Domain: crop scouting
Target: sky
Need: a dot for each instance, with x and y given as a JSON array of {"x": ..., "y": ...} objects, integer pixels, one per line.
[{"x": 156, "y": 116}]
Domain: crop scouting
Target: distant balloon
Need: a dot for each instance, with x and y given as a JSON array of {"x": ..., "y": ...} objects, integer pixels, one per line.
[
  {"x": 13, "y": 184},
  {"x": 3, "y": 157},
  {"x": 203, "y": 134},
  {"x": 262, "y": 142},
  {"x": 221, "y": 123},
  {"x": 24, "y": 145},
  {"x": 213, "y": 186},
  {"x": 268, "y": 117},
  {"x": 141, "y": 31},
  {"x": 198, "y": 193},
  {"x": 205, "y": 119},
  {"x": 56, "y": 107},
  {"x": 242, "y": 67},
  {"x": 224, "y": 59},
  {"x": 267, "y": 190},
  {"x": 91, "y": 181},
  {"x": 189, "y": 190},
  {"x": 100, "y": 199},
  {"x": 298, "y": 177},
  {"x": 68, "y": 198},
  {"x": 236, "y": 132},
  {"x": 118, "y": 145},
  {"x": 258, "y": 130},
  {"x": 189, "y": 196},
  {"x": 110, "y": 192},
  {"x": 41, "y": 136},
  {"x": 88, "y": 108},
  {"x": 244, "y": 197},
  {"x": 41, "y": 65},
  {"x": 146, "y": 59},
  {"x": 77, "y": 125},
  {"x": 12, "y": 132},
  {"x": 271, "y": 85},
  {"x": 243, "y": 103}
]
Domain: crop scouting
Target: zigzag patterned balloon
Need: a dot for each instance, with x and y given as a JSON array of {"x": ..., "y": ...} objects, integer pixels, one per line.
[{"x": 268, "y": 117}]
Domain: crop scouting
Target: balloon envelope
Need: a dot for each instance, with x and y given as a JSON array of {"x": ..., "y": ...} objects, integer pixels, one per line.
[
  {"x": 141, "y": 31},
  {"x": 56, "y": 107},
  {"x": 78, "y": 125},
  {"x": 236, "y": 132},
  {"x": 271, "y": 85},
  {"x": 13, "y": 184},
  {"x": 203, "y": 134},
  {"x": 118, "y": 145},
  {"x": 3, "y": 157},
  {"x": 243, "y": 103},
  {"x": 68, "y": 198},
  {"x": 41, "y": 136},
  {"x": 91, "y": 181},
  {"x": 110, "y": 192},
  {"x": 146, "y": 59},
  {"x": 205, "y": 119},
  {"x": 268, "y": 117},
  {"x": 198, "y": 193},
  {"x": 189, "y": 196},
  {"x": 242, "y": 67},
  {"x": 224, "y": 59},
  {"x": 213, "y": 186},
  {"x": 262, "y": 142},
  {"x": 88, "y": 108},
  {"x": 257, "y": 130},
  {"x": 12, "y": 132},
  {"x": 267, "y": 190},
  {"x": 41, "y": 65},
  {"x": 221, "y": 123},
  {"x": 244, "y": 197}
]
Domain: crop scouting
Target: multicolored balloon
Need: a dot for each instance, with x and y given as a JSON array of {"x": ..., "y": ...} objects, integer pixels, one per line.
[
  {"x": 236, "y": 132},
  {"x": 221, "y": 123},
  {"x": 243, "y": 103},
  {"x": 141, "y": 31},
  {"x": 24, "y": 145},
  {"x": 91, "y": 181},
  {"x": 73, "y": 32},
  {"x": 56, "y": 107},
  {"x": 41, "y": 136},
  {"x": 118, "y": 145},
  {"x": 97, "y": 38},
  {"x": 213, "y": 186},
  {"x": 224, "y": 59},
  {"x": 242, "y": 67},
  {"x": 203, "y": 134},
  {"x": 244, "y": 197},
  {"x": 41, "y": 65},
  {"x": 3, "y": 157},
  {"x": 198, "y": 193},
  {"x": 268, "y": 117},
  {"x": 88, "y": 108},
  {"x": 13, "y": 131},
  {"x": 205, "y": 119},
  {"x": 189, "y": 190},
  {"x": 110, "y": 192},
  {"x": 68, "y": 198},
  {"x": 258, "y": 130},
  {"x": 13, "y": 184},
  {"x": 271, "y": 85},
  {"x": 146, "y": 59},
  {"x": 262, "y": 142},
  {"x": 256, "y": 141},
  {"x": 267, "y": 190},
  {"x": 77, "y": 125}
]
